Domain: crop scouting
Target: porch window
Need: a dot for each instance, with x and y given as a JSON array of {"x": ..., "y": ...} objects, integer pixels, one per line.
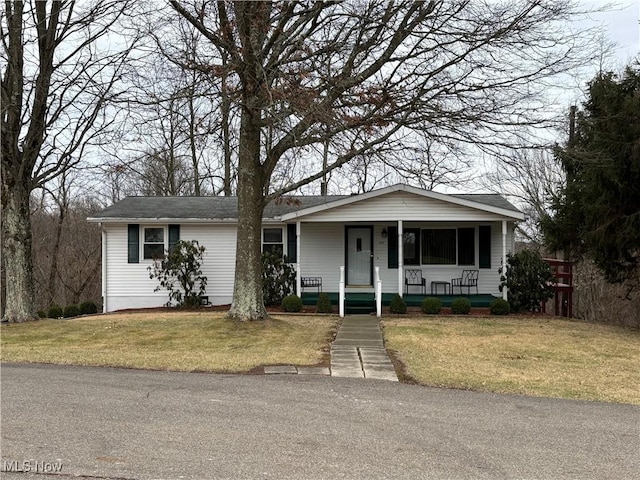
[
  {"x": 439, "y": 246},
  {"x": 272, "y": 241},
  {"x": 153, "y": 246},
  {"x": 448, "y": 246},
  {"x": 411, "y": 246}
]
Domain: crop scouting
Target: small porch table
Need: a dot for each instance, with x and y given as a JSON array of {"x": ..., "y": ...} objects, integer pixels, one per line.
[{"x": 446, "y": 286}]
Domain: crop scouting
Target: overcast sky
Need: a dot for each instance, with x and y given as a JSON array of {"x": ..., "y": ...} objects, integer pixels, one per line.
[{"x": 622, "y": 24}]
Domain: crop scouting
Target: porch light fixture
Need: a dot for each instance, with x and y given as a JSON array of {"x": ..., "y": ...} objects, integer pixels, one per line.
[{"x": 384, "y": 232}]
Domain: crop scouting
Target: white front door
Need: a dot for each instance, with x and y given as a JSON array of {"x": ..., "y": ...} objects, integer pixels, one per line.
[{"x": 359, "y": 255}]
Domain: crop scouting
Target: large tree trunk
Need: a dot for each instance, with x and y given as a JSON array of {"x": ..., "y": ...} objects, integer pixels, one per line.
[
  {"x": 248, "y": 303},
  {"x": 16, "y": 250}
]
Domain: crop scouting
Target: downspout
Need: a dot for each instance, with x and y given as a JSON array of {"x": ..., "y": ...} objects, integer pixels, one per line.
[{"x": 104, "y": 269}]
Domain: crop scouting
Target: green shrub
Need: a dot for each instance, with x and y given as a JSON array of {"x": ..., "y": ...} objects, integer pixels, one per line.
[
  {"x": 528, "y": 280},
  {"x": 292, "y": 303},
  {"x": 461, "y": 306},
  {"x": 324, "y": 304},
  {"x": 499, "y": 307},
  {"x": 88, "y": 308},
  {"x": 278, "y": 278},
  {"x": 42, "y": 314},
  {"x": 179, "y": 272},
  {"x": 397, "y": 305},
  {"x": 71, "y": 311},
  {"x": 54, "y": 311},
  {"x": 431, "y": 305}
]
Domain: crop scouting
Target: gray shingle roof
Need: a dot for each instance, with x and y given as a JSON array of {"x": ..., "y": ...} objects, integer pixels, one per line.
[
  {"x": 226, "y": 208},
  {"x": 489, "y": 199},
  {"x": 201, "y": 208}
]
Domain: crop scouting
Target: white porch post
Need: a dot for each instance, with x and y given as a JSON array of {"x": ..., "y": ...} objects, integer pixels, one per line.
[
  {"x": 341, "y": 292},
  {"x": 400, "y": 260},
  {"x": 298, "y": 263},
  {"x": 104, "y": 270},
  {"x": 378, "y": 293},
  {"x": 504, "y": 255}
]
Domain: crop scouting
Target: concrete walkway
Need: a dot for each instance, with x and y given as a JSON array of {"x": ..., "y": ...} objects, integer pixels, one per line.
[{"x": 358, "y": 350}]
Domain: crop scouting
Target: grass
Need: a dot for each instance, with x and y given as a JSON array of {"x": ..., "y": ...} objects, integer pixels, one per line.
[
  {"x": 537, "y": 356},
  {"x": 181, "y": 341}
]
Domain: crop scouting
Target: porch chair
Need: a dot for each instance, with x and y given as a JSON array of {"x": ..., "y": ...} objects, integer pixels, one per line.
[
  {"x": 414, "y": 278},
  {"x": 468, "y": 279}
]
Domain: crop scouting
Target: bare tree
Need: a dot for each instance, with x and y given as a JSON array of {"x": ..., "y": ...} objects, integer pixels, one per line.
[
  {"x": 363, "y": 74},
  {"x": 177, "y": 119},
  {"x": 66, "y": 248},
  {"x": 60, "y": 66},
  {"x": 532, "y": 177}
]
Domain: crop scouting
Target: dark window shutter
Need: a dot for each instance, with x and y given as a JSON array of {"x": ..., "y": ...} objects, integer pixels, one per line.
[
  {"x": 292, "y": 244},
  {"x": 174, "y": 235},
  {"x": 466, "y": 246},
  {"x": 484, "y": 244},
  {"x": 133, "y": 251},
  {"x": 392, "y": 247}
]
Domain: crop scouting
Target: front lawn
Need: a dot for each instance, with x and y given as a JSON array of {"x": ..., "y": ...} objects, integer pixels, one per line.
[
  {"x": 184, "y": 341},
  {"x": 540, "y": 356}
]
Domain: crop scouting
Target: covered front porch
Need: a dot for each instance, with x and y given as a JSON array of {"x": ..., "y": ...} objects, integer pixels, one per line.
[{"x": 401, "y": 241}]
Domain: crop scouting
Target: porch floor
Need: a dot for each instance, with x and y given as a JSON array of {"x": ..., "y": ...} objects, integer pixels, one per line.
[{"x": 482, "y": 300}]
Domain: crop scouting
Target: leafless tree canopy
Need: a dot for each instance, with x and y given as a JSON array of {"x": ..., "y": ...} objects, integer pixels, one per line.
[
  {"x": 364, "y": 77},
  {"x": 204, "y": 97}
]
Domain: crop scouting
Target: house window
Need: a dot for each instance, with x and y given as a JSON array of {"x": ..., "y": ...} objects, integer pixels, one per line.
[
  {"x": 153, "y": 246},
  {"x": 448, "y": 246},
  {"x": 411, "y": 246},
  {"x": 439, "y": 246},
  {"x": 272, "y": 241}
]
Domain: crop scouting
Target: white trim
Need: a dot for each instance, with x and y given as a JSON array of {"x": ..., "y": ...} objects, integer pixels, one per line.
[
  {"x": 165, "y": 240},
  {"x": 282, "y": 237},
  {"x": 105, "y": 294},
  {"x": 171, "y": 220},
  {"x": 400, "y": 258}
]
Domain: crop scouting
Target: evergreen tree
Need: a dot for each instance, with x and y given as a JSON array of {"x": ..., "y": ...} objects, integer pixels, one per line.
[{"x": 598, "y": 212}]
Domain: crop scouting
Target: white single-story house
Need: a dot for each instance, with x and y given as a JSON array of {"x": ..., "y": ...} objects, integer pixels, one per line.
[{"x": 404, "y": 239}]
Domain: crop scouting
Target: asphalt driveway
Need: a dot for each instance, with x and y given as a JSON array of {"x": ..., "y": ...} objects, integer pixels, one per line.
[{"x": 68, "y": 422}]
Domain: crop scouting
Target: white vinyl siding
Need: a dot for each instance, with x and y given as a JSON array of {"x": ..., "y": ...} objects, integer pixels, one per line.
[
  {"x": 322, "y": 253},
  {"x": 129, "y": 285}
]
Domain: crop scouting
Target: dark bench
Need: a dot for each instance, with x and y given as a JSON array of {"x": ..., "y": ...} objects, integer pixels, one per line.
[{"x": 311, "y": 282}]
